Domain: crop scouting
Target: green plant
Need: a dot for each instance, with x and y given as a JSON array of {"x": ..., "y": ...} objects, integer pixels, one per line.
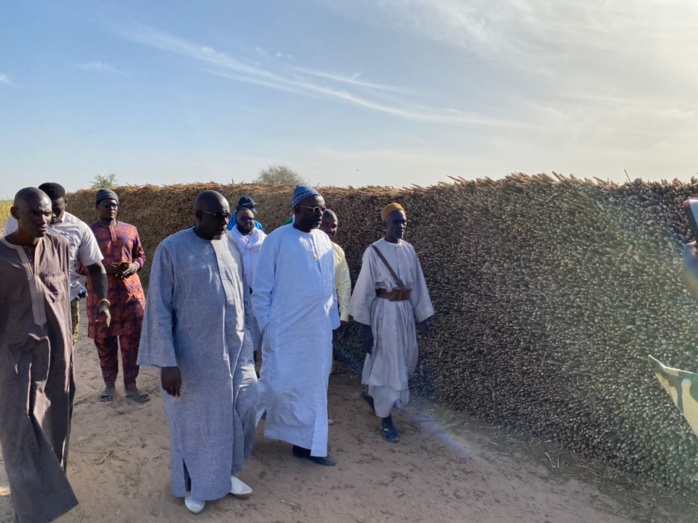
[
  {"x": 280, "y": 175},
  {"x": 105, "y": 182}
]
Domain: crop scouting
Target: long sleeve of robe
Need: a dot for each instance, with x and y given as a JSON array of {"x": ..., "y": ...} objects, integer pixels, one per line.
[
  {"x": 194, "y": 320},
  {"x": 293, "y": 301},
  {"x": 395, "y": 352},
  {"x": 342, "y": 281},
  {"x": 36, "y": 377},
  {"x": 249, "y": 245},
  {"x": 245, "y": 383}
]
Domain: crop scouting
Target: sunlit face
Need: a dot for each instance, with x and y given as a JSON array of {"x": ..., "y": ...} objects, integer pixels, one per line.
[
  {"x": 107, "y": 209},
  {"x": 244, "y": 219},
  {"x": 395, "y": 226},
  {"x": 309, "y": 213},
  {"x": 329, "y": 225},
  {"x": 212, "y": 219},
  {"x": 34, "y": 215},
  {"x": 58, "y": 208}
]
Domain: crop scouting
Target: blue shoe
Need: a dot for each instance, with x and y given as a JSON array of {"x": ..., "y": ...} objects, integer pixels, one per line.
[{"x": 390, "y": 434}]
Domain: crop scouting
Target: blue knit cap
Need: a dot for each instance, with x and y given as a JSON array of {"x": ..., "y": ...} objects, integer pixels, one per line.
[{"x": 301, "y": 192}]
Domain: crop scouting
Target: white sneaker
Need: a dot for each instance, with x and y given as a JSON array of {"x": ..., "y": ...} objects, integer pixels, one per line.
[
  {"x": 239, "y": 488},
  {"x": 194, "y": 505}
]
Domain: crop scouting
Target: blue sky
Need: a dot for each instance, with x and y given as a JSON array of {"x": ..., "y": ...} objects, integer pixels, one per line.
[{"x": 346, "y": 92}]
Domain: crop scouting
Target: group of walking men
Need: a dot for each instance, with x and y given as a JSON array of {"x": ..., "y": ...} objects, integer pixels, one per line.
[{"x": 218, "y": 293}]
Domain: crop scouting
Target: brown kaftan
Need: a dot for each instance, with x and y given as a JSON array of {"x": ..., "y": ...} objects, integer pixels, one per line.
[{"x": 36, "y": 376}]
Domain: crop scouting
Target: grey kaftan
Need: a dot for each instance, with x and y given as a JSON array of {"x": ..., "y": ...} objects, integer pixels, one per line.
[
  {"x": 394, "y": 358},
  {"x": 36, "y": 376},
  {"x": 194, "y": 320}
]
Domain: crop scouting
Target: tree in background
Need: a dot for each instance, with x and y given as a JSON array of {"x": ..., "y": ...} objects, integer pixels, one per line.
[
  {"x": 108, "y": 181},
  {"x": 280, "y": 175}
]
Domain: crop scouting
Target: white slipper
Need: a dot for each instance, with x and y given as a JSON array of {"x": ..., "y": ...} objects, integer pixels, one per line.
[
  {"x": 239, "y": 488},
  {"x": 194, "y": 505}
]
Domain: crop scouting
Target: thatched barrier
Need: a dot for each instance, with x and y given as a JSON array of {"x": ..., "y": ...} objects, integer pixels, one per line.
[{"x": 550, "y": 293}]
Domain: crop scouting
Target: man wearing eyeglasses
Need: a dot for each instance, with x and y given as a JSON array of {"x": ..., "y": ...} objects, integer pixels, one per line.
[
  {"x": 245, "y": 203},
  {"x": 249, "y": 240},
  {"x": 194, "y": 332},
  {"x": 294, "y": 303},
  {"x": 124, "y": 256}
]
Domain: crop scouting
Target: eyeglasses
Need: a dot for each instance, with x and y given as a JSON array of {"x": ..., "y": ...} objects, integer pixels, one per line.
[
  {"x": 219, "y": 216},
  {"x": 109, "y": 205},
  {"x": 316, "y": 209}
]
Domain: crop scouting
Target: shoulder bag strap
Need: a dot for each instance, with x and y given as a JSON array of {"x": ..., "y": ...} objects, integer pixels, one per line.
[{"x": 400, "y": 285}]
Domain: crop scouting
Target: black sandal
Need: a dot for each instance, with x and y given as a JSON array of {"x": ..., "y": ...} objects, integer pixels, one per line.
[{"x": 390, "y": 434}]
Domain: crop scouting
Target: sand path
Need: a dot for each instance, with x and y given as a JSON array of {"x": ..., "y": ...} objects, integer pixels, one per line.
[{"x": 447, "y": 467}]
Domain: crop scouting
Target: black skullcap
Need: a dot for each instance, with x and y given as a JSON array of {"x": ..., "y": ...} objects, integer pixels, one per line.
[
  {"x": 246, "y": 203},
  {"x": 53, "y": 190}
]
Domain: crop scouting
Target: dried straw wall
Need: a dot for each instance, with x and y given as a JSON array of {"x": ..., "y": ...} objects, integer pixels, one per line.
[{"x": 550, "y": 293}]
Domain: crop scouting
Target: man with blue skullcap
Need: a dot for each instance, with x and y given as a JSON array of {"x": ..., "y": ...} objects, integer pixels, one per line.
[{"x": 293, "y": 300}]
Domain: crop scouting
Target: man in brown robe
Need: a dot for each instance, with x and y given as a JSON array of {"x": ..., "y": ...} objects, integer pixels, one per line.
[{"x": 36, "y": 361}]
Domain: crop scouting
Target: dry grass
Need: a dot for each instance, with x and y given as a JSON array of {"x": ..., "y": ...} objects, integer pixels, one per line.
[
  {"x": 4, "y": 210},
  {"x": 549, "y": 292}
]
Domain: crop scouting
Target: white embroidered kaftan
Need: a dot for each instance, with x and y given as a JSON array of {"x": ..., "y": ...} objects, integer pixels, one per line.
[
  {"x": 250, "y": 245},
  {"x": 293, "y": 301}
]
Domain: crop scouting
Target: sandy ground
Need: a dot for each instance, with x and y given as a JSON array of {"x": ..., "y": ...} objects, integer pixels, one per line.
[{"x": 447, "y": 467}]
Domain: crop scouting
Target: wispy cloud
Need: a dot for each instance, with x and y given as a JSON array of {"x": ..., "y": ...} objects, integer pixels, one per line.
[
  {"x": 224, "y": 65},
  {"x": 351, "y": 80},
  {"x": 615, "y": 76},
  {"x": 98, "y": 65},
  {"x": 597, "y": 42},
  {"x": 7, "y": 81}
]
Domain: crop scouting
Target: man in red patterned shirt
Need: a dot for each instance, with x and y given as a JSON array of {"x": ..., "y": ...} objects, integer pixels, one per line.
[{"x": 123, "y": 258}]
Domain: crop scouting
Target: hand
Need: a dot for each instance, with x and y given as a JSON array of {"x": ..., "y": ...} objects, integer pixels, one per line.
[
  {"x": 368, "y": 339},
  {"x": 103, "y": 315},
  {"x": 171, "y": 380},
  {"x": 132, "y": 269},
  {"x": 424, "y": 328},
  {"x": 112, "y": 268},
  {"x": 341, "y": 331}
]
